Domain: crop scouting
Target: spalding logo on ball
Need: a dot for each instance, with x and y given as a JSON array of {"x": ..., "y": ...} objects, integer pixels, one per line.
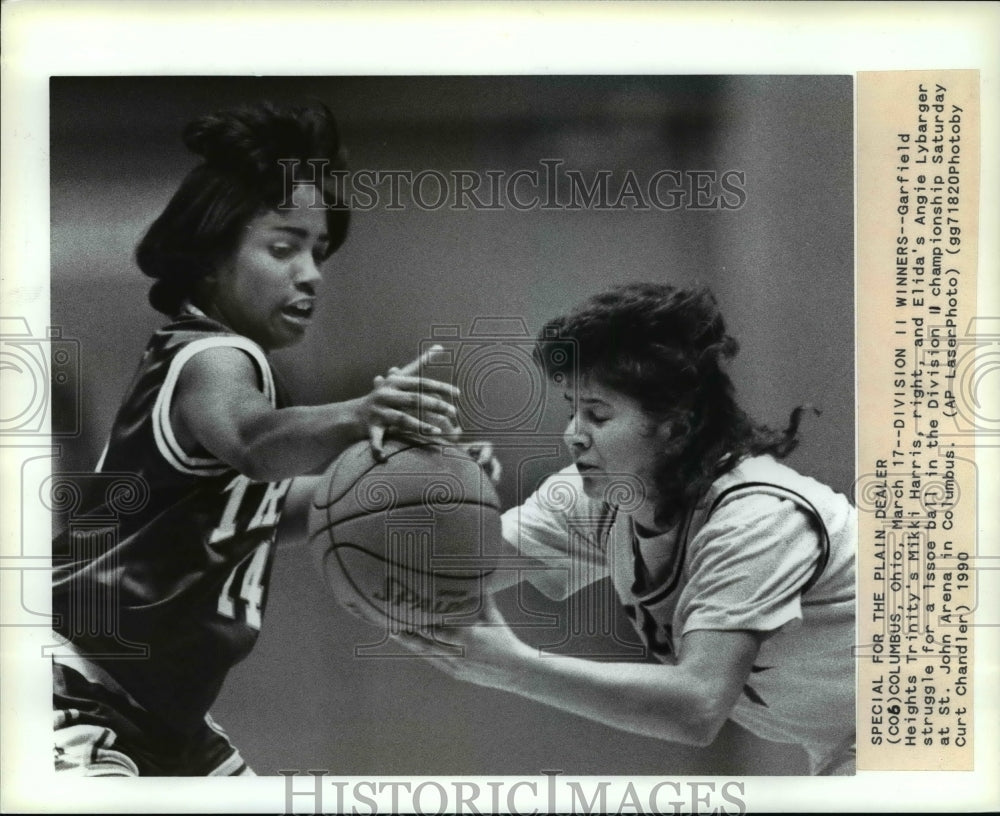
[{"x": 408, "y": 541}]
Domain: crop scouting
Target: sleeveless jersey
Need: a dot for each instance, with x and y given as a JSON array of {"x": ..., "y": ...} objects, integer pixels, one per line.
[
  {"x": 160, "y": 576},
  {"x": 767, "y": 550}
]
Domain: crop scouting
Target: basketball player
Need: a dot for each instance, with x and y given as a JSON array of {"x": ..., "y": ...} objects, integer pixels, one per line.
[
  {"x": 737, "y": 571},
  {"x": 155, "y": 609}
]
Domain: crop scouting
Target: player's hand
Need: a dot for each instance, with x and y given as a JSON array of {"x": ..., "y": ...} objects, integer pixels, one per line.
[
  {"x": 491, "y": 654},
  {"x": 404, "y": 401},
  {"x": 482, "y": 452}
]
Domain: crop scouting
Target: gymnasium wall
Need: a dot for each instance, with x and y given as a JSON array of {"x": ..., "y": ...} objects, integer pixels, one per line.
[{"x": 781, "y": 265}]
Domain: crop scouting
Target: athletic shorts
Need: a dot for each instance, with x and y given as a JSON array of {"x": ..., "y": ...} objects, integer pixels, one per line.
[{"x": 101, "y": 731}]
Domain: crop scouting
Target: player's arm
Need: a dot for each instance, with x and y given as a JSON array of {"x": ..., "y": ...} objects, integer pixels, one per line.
[
  {"x": 687, "y": 702},
  {"x": 741, "y": 587},
  {"x": 542, "y": 534},
  {"x": 218, "y": 406},
  {"x": 293, "y": 527}
]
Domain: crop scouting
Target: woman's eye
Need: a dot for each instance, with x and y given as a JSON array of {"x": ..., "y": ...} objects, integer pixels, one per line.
[
  {"x": 281, "y": 251},
  {"x": 590, "y": 417}
]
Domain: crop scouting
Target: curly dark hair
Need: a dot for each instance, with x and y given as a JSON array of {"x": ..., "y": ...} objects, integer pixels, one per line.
[
  {"x": 666, "y": 348},
  {"x": 252, "y": 157}
]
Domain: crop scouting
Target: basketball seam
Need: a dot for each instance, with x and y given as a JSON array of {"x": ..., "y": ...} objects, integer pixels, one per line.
[
  {"x": 340, "y": 462},
  {"x": 361, "y": 596},
  {"x": 401, "y": 507},
  {"x": 478, "y": 573}
]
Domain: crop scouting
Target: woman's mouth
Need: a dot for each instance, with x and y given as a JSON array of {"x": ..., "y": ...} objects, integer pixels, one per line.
[{"x": 301, "y": 311}]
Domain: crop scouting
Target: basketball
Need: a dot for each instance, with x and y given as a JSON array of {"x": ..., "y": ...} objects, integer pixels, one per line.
[{"x": 406, "y": 542}]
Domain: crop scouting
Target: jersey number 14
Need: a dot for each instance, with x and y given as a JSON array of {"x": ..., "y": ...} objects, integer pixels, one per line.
[{"x": 253, "y": 568}]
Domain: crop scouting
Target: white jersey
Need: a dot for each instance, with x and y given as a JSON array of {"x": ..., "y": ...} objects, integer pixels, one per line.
[{"x": 768, "y": 550}]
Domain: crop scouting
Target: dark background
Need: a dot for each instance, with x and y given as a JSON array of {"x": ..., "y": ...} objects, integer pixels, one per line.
[{"x": 781, "y": 266}]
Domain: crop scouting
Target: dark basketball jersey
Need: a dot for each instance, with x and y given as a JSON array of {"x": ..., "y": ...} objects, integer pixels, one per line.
[{"x": 165, "y": 589}]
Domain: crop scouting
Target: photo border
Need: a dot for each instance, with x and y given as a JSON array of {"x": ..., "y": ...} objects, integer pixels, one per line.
[{"x": 42, "y": 39}]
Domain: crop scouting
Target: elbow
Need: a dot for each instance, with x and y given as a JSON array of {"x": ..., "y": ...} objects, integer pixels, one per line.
[
  {"x": 705, "y": 730},
  {"x": 258, "y": 472},
  {"x": 257, "y": 467},
  {"x": 267, "y": 472},
  {"x": 706, "y": 716},
  {"x": 262, "y": 453}
]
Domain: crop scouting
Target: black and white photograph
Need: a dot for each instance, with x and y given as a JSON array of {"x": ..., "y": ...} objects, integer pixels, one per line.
[
  {"x": 628, "y": 299},
  {"x": 493, "y": 427}
]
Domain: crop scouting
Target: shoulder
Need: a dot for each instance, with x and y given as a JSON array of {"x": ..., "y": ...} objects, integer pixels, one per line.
[
  {"x": 215, "y": 364},
  {"x": 767, "y": 523},
  {"x": 766, "y": 513},
  {"x": 757, "y": 540},
  {"x": 749, "y": 516},
  {"x": 759, "y": 477},
  {"x": 759, "y": 469},
  {"x": 201, "y": 351}
]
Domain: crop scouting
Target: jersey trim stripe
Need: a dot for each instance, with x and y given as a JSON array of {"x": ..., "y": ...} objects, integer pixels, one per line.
[
  {"x": 233, "y": 765},
  {"x": 804, "y": 503},
  {"x": 163, "y": 432},
  {"x": 104, "y": 454},
  {"x": 652, "y": 596}
]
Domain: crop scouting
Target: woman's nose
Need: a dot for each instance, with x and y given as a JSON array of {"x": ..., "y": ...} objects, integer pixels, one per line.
[
  {"x": 575, "y": 437},
  {"x": 307, "y": 272}
]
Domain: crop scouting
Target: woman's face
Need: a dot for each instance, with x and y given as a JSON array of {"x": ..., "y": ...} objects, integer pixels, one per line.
[
  {"x": 267, "y": 290},
  {"x": 611, "y": 438}
]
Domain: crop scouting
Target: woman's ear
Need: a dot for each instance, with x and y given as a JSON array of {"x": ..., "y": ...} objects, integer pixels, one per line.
[{"x": 674, "y": 428}]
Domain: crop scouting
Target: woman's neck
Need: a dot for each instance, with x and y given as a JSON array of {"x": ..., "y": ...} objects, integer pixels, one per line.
[{"x": 645, "y": 522}]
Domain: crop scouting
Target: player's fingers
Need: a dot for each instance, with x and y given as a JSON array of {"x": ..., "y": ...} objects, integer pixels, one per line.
[
  {"x": 387, "y": 394},
  {"x": 376, "y": 435},
  {"x": 406, "y": 423},
  {"x": 450, "y": 428},
  {"x": 489, "y": 463},
  {"x": 443, "y": 421},
  {"x": 440, "y": 407},
  {"x": 414, "y": 366},
  {"x": 482, "y": 452},
  {"x": 420, "y": 404},
  {"x": 423, "y": 385}
]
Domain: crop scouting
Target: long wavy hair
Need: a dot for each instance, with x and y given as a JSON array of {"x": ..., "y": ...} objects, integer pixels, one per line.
[
  {"x": 251, "y": 159},
  {"x": 666, "y": 348}
]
